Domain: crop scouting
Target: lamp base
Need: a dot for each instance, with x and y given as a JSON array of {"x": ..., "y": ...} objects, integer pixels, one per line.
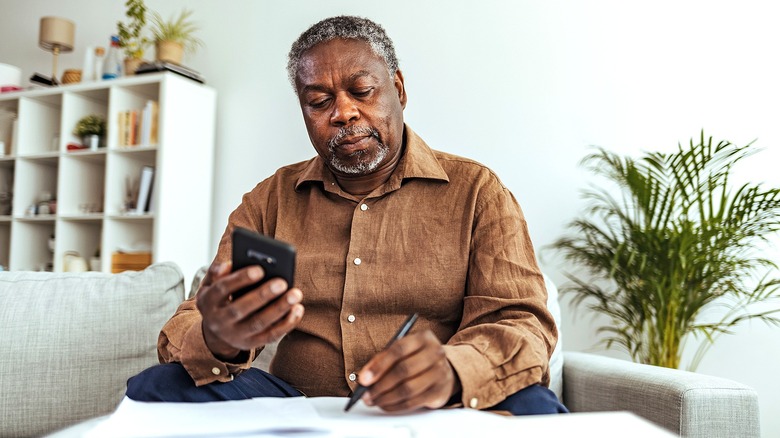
[{"x": 40, "y": 79}]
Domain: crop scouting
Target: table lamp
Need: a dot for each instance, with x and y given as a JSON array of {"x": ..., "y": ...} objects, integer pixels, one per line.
[{"x": 56, "y": 35}]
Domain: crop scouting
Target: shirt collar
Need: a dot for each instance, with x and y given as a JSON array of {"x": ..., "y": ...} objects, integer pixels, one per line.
[{"x": 418, "y": 161}]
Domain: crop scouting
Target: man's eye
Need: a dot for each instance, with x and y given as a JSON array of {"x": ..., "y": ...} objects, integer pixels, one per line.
[
  {"x": 363, "y": 92},
  {"x": 319, "y": 103}
]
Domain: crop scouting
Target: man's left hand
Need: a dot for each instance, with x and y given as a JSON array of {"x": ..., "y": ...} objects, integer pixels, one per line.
[{"x": 412, "y": 373}]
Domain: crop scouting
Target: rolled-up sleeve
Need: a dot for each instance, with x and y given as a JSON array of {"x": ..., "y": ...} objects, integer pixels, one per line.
[
  {"x": 181, "y": 340},
  {"x": 506, "y": 335}
]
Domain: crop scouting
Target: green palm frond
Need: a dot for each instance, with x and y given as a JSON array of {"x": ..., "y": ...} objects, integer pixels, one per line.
[{"x": 673, "y": 239}]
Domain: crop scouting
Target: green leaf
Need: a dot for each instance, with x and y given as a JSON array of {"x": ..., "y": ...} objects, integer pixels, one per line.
[{"x": 666, "y": 239}]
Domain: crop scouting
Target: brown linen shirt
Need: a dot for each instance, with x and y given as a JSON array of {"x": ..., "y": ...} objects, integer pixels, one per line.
[{"x": 442, "y": 237}]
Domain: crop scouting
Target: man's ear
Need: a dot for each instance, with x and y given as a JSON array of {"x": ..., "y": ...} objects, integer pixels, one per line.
[{"x": 398, "y": 81}]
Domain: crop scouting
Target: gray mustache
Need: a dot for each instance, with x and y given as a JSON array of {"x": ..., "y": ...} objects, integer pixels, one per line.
[{"x": 348, "y": 131}]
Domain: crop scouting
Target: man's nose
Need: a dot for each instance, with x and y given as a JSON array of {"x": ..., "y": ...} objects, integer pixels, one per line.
[{"x": 344, "y": 111}]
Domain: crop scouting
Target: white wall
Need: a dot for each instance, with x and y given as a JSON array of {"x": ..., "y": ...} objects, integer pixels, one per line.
[{"x": 525, "y": 87}]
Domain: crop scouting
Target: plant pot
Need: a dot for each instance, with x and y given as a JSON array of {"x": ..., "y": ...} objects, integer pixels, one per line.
[
  {"x": 170, "y": 51},
  {"x": 131, "y": 65},
  {"x": 91, "y": 141}
]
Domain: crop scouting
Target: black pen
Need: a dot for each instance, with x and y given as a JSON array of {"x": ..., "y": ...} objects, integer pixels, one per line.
[{"x": 407, "y": 325}]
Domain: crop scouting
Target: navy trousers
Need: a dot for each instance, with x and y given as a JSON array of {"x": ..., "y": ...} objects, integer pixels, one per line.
[{"x": 171, "y": 383}]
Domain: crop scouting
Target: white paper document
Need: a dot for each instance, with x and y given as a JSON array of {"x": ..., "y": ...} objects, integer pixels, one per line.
[
  {"x": 296, "y": 417},
  {"x": 325, "y": 417}
]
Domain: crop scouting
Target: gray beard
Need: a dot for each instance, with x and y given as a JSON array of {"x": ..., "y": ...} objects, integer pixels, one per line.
[{"x": 361, "y": 167}]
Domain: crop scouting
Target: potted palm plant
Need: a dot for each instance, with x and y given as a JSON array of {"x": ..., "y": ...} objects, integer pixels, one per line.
[
  {"x": 91, "y": 129},
  {"x": 674, "y": 241},
  {"x": 131, "y": 35},
  {"x": 174, "y": 37}
]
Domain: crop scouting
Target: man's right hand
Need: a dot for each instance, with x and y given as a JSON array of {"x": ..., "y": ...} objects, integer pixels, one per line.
[{"x": 250, "y": 321}]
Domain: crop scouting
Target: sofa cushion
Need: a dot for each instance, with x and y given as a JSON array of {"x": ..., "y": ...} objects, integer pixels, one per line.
[
  {"x": 556, "y": 360},
  {"x": 70, "y": 341}
]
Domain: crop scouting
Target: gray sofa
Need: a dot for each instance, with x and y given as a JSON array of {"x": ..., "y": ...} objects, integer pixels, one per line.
[{"x": 70, "y": 341}]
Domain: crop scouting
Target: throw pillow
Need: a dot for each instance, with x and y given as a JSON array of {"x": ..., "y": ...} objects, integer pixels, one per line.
[{"x": 70, "y": 341}]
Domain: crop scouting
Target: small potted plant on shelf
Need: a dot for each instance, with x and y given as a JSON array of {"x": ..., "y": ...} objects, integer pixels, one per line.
[
  {"x": 131, "y": 38},
  {"x": 175, "y": 37},
  {"x": 91, "y": 129}
]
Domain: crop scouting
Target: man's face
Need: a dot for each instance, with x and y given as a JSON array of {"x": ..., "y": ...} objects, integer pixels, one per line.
[{"x": 352, "y": 108}]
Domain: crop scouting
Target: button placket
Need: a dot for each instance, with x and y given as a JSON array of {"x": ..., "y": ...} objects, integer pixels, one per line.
[{"x": 358, "y": 248}]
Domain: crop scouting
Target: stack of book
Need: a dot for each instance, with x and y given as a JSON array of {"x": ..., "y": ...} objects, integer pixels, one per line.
[
  {"x": 139, "y": 127},
  {"x": 158, "y": 66}
]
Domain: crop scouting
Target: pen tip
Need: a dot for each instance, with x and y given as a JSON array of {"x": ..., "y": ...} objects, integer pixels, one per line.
[{"x": 352, "y": 402}]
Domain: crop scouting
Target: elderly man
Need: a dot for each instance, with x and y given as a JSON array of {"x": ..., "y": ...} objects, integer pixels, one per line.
[{"x": 384, "y": 227}]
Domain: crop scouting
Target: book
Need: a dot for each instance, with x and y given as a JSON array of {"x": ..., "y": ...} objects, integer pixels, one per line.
[
  {"x": 143, "y": 124},
  {"x": 158, "y": 66},
  {"x": 132, "y": 127},
  {"x": 145, "y": 190},
  {"x": 122, "y": 125},
  {"x": 147, "y": 129},
  {"x": 154, "y": 124},
  {"x": 138, "y": 127}
]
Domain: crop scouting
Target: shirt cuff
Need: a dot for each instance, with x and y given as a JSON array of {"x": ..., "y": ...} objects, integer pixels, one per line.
[
  {"x": 481, "y": 387},
  {"x": 202, "y": 365}
]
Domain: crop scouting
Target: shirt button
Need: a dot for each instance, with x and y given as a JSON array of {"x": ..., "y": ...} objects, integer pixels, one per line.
[
  {"x": 351, "y": 318},
  {"x": 363, "y": 207},
  {"x": 352, "y": 377},
  {"x": 215, "y": 371},
  {"x": 473, "y": 403},
  {"x": 357, "y": 261}
]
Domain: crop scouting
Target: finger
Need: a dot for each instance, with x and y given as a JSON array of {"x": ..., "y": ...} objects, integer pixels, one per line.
[
  {"x": 262, "y": 295},
  {"x": 280, "y": 328},
  {"x": 216, "y": 270},
  {"x": 374, "y": 370},
  {"x": 249, "y": 306},
  {"x": 260, "y": 319},
  {"x": 239, "y": 336},
  {"x": 217, "y": 293},
  {"x": 395, "y": 379},
  {"x": 430, "y": 392}
]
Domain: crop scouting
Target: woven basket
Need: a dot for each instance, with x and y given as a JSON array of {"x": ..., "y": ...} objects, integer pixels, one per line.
[{"x": 71, "y": 76}]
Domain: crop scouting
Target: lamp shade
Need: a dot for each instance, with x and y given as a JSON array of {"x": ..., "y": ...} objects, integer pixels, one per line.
[{"x": 56, "y": 33}]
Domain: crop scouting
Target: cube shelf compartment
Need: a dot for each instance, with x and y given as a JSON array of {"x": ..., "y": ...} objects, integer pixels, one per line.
[{"x": 64, "y": 200}]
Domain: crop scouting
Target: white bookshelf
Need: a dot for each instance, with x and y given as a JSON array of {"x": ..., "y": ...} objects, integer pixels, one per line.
[{"x": 90, "y": 185}]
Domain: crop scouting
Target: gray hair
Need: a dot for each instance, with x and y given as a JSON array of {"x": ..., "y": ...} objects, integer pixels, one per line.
[{"x": 346, "y": 27}]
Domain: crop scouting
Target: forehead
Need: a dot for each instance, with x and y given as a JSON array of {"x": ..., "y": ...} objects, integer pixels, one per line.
[{"x": 342, "y": 58}]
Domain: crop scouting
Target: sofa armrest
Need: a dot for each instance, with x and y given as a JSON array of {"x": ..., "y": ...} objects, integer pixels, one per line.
[{"x": 690, "y": 404}]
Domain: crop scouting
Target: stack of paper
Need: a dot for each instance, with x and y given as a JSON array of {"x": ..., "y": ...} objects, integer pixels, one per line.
[{"x": 296, "y": 416}]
